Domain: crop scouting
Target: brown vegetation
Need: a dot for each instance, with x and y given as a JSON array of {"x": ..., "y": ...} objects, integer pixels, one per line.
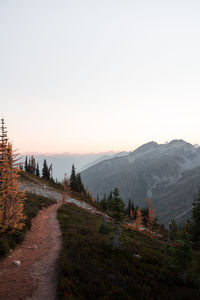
[{"x": 11, "y": 200}]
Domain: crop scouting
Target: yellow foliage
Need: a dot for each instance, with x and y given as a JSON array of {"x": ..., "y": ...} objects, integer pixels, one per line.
[
  {"x": 139, "y": 219},
  {"x": 11, "y": 199},
  {"x": 151, "y": 217}
]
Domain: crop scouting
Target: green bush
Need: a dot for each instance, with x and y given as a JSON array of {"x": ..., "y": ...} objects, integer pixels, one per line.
[
  {"x": 4, "y": 247},
  {"x": 105, "y": 228},
  {"x": 17, "y": 236},
  {"x": 12, "y": 243}
]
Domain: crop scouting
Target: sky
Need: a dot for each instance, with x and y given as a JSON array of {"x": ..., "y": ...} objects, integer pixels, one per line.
[{"x": 94, "y": 76}]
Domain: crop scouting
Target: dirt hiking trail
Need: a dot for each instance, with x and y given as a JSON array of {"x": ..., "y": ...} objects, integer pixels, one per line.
[{"x": 36, "y": 276}]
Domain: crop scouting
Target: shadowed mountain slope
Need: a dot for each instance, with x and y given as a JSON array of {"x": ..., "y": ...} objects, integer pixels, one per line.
[{"x": 168, "y": 173}]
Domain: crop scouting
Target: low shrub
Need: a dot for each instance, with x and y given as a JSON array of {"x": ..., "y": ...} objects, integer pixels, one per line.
[
  {"x": 105, "y": 228},
  {"x": 4, "y": 246},
  {"x": 90, "y": 268},
  {"x": 17, "y": 236}
]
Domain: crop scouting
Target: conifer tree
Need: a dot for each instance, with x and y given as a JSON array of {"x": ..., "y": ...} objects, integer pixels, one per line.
[
  {"x": 129, "y": 207},
  {"x": 29, "y": 166},
  {"x": 11, "y": 200},
  {"x": 110, "y": 196},
  {"x": 117, "y": 206},
  {"x": 32, "y": 165},
  {"x": 79, "y": 185},
  {"x": 45, "y": 171},
  {"x": 26, "y": 164},
  {"x": 73, "y": 179},
  {"x": 109, "y": 201},
  {"x": 104, "y": 203},
  {"x": 50, "y": 172},
  {"x": 37, "y": 172},
  {"x": 173, "y": 229}
]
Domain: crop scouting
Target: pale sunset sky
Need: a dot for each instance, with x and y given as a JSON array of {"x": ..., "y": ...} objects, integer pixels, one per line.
[{"x": 92, "y": 76}]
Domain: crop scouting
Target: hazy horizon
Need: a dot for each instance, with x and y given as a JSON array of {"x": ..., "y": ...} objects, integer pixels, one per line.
[
  {"x": 97, "y": 153},
  {"x": 84, "y": 76}
]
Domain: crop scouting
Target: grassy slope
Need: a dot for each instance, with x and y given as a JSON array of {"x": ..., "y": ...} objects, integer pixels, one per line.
[{"x": 91, "y": 269}]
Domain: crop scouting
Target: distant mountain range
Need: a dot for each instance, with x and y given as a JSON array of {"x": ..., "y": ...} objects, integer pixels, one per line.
[
  {"x": 62, "y": 163},
  {"x": 169, "y": 173}
]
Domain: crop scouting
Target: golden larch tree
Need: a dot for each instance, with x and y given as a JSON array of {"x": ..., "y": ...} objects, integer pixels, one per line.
[
  {"x": 151, "y": 216},
  {"x": 139, "y": 219},
  {"x": 138, "y": 223},
  {"x": 11, "y": 199}
]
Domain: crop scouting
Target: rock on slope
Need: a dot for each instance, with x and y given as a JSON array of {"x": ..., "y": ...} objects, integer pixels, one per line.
[
  {"x": 40, "y": 189},
  {"x": 168, "y": 173}
]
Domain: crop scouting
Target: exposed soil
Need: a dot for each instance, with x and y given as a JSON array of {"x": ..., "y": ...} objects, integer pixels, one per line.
[{"x": 36, "y": 276}]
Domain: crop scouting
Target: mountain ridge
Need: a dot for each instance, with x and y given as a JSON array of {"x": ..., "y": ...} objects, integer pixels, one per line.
[{"x": 162, "y": 171}]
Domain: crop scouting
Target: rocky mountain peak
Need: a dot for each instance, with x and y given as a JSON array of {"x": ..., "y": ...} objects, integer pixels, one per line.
[
  {"x": 146, "y": 148},
  {"x": 179, "y": 144}
]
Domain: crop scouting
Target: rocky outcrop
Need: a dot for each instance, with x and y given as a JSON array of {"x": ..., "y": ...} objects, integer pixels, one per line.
[{"x": 40, "y": 189}]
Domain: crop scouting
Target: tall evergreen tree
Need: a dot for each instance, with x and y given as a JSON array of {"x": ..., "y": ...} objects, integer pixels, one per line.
[
  {"x": 128, "y": 210},
  {"x": 29, "y": 166},
  {"x": 173, "y": 229},
  {"x": 110, "y": 196},
  {"x": 32, "y": 165},
  {"x": 26, "y": 164},
  {"x": 21, "y": 167},
  {"x": 73, "y": 179},
  {"x": 76, "y": 184},
  {"x": 117, "y": 206},
  {"x": 104, "y": 203},
  {"x": 109, "y": 201},
  {"x": 50, "y": 171},
  {"x": 79, "y": 185},
  {"x": 37, "y": 172},
  {"x": 45, "y": 171}
]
